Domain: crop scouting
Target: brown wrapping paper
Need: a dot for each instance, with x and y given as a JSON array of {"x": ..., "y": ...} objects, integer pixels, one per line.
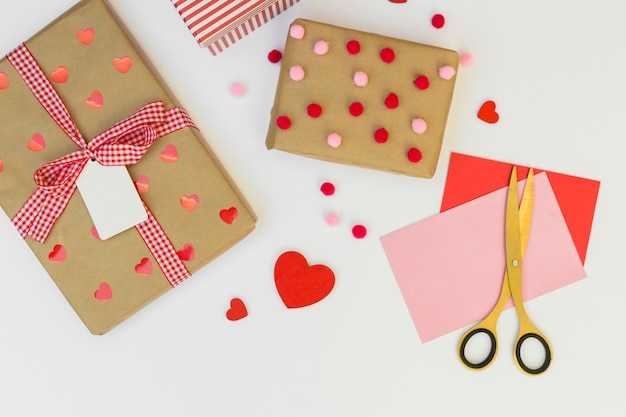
[
  {"x": 328, "y": 81},
  {"x": 89, "y": 261}
]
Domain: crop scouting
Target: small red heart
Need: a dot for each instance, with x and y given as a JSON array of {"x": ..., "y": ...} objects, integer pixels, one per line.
[
  {"x": 229, "y": 216},
  {"x": 487, "y": 112},
  {"x": 144, "y": 267},
  {"x": 122, "y": 64},
  {"x": 170, "y": 154},
  {"x": 4, "y": 81},
  {"x": 104, "y": 292},
  {"x": 60, "y": 75},
  {"x": 299, "y": 284},
  {"x": 237, "y": 310},
  {"x": 58, "y": 254},
  {"x": 85, "y": 36},
  {"x": 187, "y": 253},
  {"x": 37, "y": 143},
  {"x": 95, "y": 100}
]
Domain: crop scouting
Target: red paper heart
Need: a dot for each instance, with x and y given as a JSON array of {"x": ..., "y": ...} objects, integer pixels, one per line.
[
  {"x": 122, "y": 64},
  {"x": 299, "y": 284},
  {"x": 237, "y": 310},
  {"x": 170, "y": 154},
  {"x": 104, "y": 292},
  {"x": 144, "y": 267},
  {"x": 60, "y": 75},
  {"x": 187, "y": 253},
  {"x": 58, "y": 254},
  {"x": 487, "y": 112},
  {"x": 189, "y": 202},
  {"x": 4, "y": 81},
  {"x": 37, "y": 143},
  {"x": 85, "y": 36},
  {"x": 229, "y": 216}
]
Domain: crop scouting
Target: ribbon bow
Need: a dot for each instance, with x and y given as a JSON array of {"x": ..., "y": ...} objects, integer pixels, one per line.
[{"x": 123, "y": 144}]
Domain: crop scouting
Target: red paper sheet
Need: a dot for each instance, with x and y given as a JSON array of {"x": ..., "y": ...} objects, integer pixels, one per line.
[{"x": 471, "y": 177}]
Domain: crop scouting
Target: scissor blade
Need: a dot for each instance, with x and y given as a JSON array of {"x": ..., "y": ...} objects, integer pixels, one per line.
[
  {"x": 526, "y": 209},
  {"x": 513, "y": 237}
]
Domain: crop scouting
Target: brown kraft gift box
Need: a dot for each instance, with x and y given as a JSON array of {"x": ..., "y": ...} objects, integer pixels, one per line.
[
  {"x": 102, "y": 78},
  {"x": 362, "y": 99}
]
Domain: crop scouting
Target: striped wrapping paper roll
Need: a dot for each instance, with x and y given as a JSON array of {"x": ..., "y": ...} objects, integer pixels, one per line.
[{"x": 217, "y": 24}]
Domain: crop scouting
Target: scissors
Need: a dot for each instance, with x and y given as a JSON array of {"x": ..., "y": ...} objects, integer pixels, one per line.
[{"x": 518, "y": 219}]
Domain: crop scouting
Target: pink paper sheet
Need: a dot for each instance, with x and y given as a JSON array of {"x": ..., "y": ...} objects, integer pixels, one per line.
[{"x": 449, "y": 267}]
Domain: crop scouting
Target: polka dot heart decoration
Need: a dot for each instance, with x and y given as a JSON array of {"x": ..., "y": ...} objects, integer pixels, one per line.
[{"x": 380, "y": 113}]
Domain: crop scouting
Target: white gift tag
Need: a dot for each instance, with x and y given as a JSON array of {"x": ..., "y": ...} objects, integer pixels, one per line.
[{"x": 111, "y": 198}]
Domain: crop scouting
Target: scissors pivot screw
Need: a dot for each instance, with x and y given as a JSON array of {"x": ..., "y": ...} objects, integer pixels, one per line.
[{"x": 515, "y": 263}]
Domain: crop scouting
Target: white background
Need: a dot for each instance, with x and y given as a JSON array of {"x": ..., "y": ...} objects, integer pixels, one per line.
[{"x": 556, "y": 71}]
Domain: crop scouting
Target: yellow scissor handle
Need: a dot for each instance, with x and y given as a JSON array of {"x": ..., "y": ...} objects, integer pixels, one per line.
[{"x": 527, "y": 330}]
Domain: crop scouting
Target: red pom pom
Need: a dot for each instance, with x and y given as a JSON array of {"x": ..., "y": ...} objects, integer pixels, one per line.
[
  {"x": 283, "y": 122},
  {"x": 381, "y": 135},
  {"x": 356, "y": 109},
  {"x": 327, "y": 188},
  {"x": 314, "y": 110},
  {"x": 359, "y": 231},
  {"x": 422, "y": 82},
  {"x": 353, "y": 47},
  {"x": 392, "y": 101},
  {"x": 414, "y": 155},
  {"x": 387, "y": 55},
  {"x": 275, "y": 56},
  {"x": 438, "y": 21}
]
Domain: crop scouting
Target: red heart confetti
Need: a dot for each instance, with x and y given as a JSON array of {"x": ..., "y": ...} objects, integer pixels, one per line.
[
  {"x": 4, "y": 81},
  {"x": 85, "y": 36},
  {"x": 487, "y": 112},
  {"x": 170, "y": 154},
  {"x": 37, "y": 143},
  {"x": 60, "y": 75},
  {"x": 95, "y": 100},
  {"x": 104, "y": 292},
  {"x": 300, "y": 285},
  {"x": 187, "y": 253},
  {"x": 230, "y": 215},
  {"x": 237, "y": 310},
  {"x": 189, "y": 202},
  {"x": 58, "y": 254},
  {"x": 144, "y": 267},
  {"x": 122, "y": 64}
]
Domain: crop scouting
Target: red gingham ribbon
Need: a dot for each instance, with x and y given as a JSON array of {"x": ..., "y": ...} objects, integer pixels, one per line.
[{"x": 123, "y": 144}]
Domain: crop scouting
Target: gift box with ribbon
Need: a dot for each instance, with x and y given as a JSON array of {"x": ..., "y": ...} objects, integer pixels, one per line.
[{"x": 79, "y": 95}]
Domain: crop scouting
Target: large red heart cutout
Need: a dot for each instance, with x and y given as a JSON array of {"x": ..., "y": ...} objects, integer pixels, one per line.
[{"x": 299, "y": 284}]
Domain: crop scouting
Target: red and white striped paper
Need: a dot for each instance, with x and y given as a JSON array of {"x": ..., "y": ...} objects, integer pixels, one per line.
[{"x": 217, "y": 24}]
